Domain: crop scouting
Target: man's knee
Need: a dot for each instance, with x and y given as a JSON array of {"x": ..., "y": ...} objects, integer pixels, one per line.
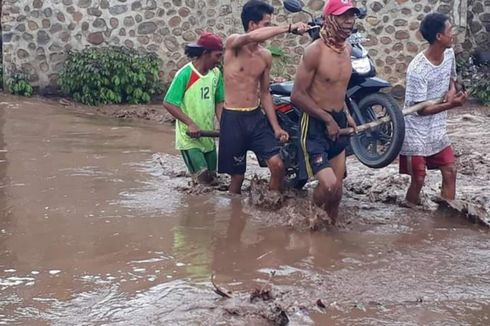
[
  {"x": 276, "y": 165},
  {"x": 331, "y": 185}
]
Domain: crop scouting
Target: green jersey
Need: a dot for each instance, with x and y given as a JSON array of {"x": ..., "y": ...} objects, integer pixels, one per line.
[{"x": 196, "y": 95}]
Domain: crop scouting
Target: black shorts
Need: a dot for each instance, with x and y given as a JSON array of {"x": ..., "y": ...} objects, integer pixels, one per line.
[
  {"x": 318, "y": 148},
  {"x": 241, "y": 131}
]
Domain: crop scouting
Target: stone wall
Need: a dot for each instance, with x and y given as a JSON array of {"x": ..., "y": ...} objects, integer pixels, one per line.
[
  {"x": 478, "y": 25},
  {"x": 37, "y": 34},
  {"x": 392, "y": 28}
]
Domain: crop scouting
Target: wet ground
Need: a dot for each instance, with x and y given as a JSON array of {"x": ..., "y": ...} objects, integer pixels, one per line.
[{"x": 93, "y": 231}]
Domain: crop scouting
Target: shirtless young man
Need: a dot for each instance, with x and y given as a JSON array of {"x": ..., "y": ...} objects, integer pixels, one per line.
[
  {"x": 243, "y": 125},
  {"x": 319, "y": 90}
]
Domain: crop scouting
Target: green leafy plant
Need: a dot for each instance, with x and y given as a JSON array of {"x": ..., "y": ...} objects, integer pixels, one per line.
[
  {"x": 18, "y": 84},
  {"x": 475, "y": 78},
  {"x": 108, "y": 75},
  {"x": 280, "y": 61},
  {"x": 1, "y": 75}
]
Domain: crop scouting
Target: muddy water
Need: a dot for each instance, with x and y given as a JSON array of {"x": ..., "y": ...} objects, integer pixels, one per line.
[{"x": 94, "y": 232}]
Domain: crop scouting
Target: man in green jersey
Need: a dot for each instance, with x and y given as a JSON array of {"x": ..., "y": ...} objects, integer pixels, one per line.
[{"x": 195, "y": 96}]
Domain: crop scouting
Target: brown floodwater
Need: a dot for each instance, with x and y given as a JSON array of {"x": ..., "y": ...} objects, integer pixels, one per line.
[{"x": 93, "y": 231}]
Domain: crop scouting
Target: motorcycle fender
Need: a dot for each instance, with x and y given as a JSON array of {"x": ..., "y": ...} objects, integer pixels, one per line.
[{"x": 374, "y": 84}]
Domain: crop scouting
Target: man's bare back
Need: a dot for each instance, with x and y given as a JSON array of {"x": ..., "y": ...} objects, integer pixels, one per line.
[
  {"x": 332, "y": 74},
  {"x": 245, "y": 68}
]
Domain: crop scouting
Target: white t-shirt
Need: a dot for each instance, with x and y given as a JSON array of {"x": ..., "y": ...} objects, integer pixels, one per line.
[{"x": 427, "y": 135}]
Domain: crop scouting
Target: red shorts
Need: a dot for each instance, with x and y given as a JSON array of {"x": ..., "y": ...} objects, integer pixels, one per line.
[{"x": 416, "y": 165}]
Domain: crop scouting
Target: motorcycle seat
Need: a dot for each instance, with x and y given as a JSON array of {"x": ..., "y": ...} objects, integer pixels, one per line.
[{"x": 282, "y": 88}]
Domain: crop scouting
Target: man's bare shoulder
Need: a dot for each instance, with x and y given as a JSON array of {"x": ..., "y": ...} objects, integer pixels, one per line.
[
  {"x": 316, "y": 44},
  {"x": 313, "y": 51},
  {"x": 230, "y": 38}
]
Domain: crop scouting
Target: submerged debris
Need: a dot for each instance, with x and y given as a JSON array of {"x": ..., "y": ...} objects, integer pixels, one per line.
[
  {"x": 320, "y": 304},
  {"x": 265, "y": 292},
  {"x": 260, "y": 303},
  {"x": 217, "y": 290}
]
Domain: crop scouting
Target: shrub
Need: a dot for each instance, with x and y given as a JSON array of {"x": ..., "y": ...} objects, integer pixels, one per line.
[
  {"x": 18, "y": 84},
  {"x": 280, "y": 61},
  {"x": 108, "y": 75},
  {"x": 475, "y": 78}
]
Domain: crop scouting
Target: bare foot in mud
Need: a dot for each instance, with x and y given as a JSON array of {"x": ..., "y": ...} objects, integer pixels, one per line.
[
  {"x": 421, "y": 206},
  {"x": 318, "y": 224},
  {"x": 438, "y": 199},
  {"x": 406, "y": 204},
  {"x": 320, "y": 219},
  {"x": 205, "y": 178},
  {"x": 197, "y": 188},
  {"x": 340, "y": 223},
  {"x": 261, "y": 196},
  {"x": 271, "y": 200}
]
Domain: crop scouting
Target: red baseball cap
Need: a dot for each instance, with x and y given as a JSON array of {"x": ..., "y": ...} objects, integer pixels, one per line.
[
  {"x": 338, "y": 7},
  {"x": 208, "y": 41}
]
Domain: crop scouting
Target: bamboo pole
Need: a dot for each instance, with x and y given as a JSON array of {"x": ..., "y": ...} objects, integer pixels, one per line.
[
  {"x": 373, "y": 124},
  {"x": 349, "y": 131}
]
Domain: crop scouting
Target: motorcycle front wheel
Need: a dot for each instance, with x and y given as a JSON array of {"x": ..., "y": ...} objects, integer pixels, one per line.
[{"x": 378, "y": 147}]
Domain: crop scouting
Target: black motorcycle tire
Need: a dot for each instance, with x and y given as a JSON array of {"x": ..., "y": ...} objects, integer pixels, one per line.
[{"x": 397, "y": 135}]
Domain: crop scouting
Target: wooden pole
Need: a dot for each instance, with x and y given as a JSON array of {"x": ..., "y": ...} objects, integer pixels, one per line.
[
  {"x": 373, "y": 124},
  {"x": 366, "y": 126}
]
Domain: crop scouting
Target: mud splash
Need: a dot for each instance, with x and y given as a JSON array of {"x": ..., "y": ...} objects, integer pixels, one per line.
[{"x": 291, "y": 208}]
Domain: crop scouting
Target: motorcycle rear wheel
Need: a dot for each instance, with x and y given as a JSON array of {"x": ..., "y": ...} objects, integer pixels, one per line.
[{"x": 378, "y": 147}]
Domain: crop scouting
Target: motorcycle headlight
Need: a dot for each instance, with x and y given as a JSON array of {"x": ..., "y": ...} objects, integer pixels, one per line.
[{"x": 362, "y": 65}]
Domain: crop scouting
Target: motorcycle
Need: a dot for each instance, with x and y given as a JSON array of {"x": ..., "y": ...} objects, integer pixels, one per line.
[{"x": 376, "y": 147}]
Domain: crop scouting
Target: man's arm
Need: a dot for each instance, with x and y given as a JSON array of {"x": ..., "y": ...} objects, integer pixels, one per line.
[
  {"x": 218, "y": 109},
  {"x": 263, "y": 34},
  {"x": 304, "y": 78},
  {"x": 452, "y": 100},
  {"x": 173, "y": 102},
  {"x": 177, "y": 113},
  {"x": 350, "y": 120},
  {"x": 219, "y": 97},
  {"x": 266, "y": 101}
]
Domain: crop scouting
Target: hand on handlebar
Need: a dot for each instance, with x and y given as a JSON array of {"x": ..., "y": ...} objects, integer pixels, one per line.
[{"x": 299, "y": 28}]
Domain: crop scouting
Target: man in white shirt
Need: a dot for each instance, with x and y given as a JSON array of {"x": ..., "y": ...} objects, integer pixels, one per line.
[{"x": 431, "y": 75}]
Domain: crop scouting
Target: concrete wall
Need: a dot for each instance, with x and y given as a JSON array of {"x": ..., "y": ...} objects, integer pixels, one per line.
[{"x": 37, "y": 34}]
